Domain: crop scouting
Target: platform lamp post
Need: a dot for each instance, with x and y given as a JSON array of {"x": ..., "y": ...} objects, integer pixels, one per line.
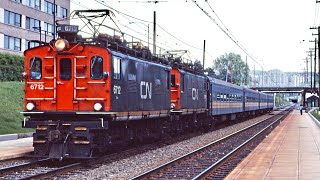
[{"x": 144, "y": 25}]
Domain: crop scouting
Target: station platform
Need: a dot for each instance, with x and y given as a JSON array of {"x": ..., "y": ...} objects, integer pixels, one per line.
[
  {"x": 291, "y": 151},
  {"x": 15, "y": 148}
]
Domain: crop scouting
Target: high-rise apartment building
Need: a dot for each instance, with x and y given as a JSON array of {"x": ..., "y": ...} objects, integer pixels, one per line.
[{"x": 25, "y": 20}]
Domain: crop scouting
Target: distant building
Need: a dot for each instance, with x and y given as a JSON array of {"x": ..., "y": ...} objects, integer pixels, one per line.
[
  {"x": 277, "y": 78},
  {"x": 22, "y": 20}
]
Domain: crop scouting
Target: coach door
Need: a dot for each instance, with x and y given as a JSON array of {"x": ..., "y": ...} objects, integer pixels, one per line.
[{"x": 64, "y": 83}]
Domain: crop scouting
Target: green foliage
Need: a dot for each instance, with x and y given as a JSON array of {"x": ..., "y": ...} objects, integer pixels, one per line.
[
  {"x": 280, "y": 100},
  {"x": 11, "y": 105},
  {"x": 198, "y": 66},
  {"x": 11, "y": 67},
  {"x": 230, "y": 66},
  {"x": 210, "y": 72},
  {"x": 316, "y": 114}
]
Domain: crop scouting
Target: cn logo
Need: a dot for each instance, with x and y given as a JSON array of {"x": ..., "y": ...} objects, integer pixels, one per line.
[
  {"x": 195, "y": 94},
  {"x": 145, "y": 90}
]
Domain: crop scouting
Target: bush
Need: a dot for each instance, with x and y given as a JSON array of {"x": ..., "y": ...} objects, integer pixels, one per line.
[{"x": 11, "y": 67}]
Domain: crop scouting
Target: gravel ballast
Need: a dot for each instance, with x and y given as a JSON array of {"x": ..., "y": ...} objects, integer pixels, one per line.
[{"x": 137, "y": 164}]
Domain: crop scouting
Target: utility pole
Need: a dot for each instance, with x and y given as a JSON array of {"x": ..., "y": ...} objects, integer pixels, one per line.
[
  {"x": 231, "y": 72},
  {"x": 54, "y": 20},
  {"x": 254, "y": 76},
  {"x": 310, "y": 53},
  {"x": 306, "y": 60},
  {"x": 246, "y": 79},
  {"x": 318, "y": 57},
  {"x": 315, "y": 65},
  {"x": 204, "y": 53},
  {"x": 154, "y": 32}
]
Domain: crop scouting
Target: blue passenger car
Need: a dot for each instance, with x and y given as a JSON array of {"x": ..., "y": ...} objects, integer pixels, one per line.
[
  {"x": 224, "y": 97},
  {"x": 251, "y": 100},
  {"x": 270, "y": 101}
]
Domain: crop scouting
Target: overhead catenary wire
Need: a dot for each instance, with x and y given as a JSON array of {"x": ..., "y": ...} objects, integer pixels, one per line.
[
  {"x": 123, "y": 25},
  {"x": 316, "y": 15},
  {"x": 142, "y": 20},
  {"x": 225, "y": 31},
  {"x": 101, "y": 2}
]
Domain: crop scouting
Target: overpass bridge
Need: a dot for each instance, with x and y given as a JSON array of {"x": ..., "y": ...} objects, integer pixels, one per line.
[
  {"x": 286, "y": 89},
  {"x": 302, "y": 90}
]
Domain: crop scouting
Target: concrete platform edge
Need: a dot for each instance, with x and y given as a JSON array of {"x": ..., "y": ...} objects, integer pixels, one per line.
[{"x": 7, "y": 137}]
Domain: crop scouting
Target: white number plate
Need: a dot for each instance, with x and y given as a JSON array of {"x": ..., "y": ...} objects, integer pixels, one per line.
[{"x": 36, "y": 86}]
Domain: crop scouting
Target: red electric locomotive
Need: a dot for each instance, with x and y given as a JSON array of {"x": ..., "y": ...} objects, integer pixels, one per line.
[{"x": 87, "y": 95}]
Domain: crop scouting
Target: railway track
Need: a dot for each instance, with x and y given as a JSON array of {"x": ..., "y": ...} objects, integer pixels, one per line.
[
  {"x": 44, "y": 168},
  {"x": 36, "y": 169},
  {"x": 47, "y": 168},
  {"x": 216, "y": 160},
  {"x": 14, "y": 161}
]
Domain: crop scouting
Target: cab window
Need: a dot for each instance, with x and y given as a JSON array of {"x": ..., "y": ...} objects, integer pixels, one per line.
[
  {"x": 116, "y": 67},
  {"x": 173, "y": 80},
  {"x": 35, "y": 68},
  {"x": 96, "y": 70},
  {"x": 65, "y": 69}
]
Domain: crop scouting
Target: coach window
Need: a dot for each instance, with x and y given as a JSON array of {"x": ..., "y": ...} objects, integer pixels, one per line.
[
  {"x": 96, "y": 64},
  {"x": 35, "y": 68},
  {"x": 65, "y": 69},
  {"x": 116, "y": 67}
]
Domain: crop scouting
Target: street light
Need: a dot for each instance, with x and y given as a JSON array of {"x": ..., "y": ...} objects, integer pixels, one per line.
[{"x": 144, "y": 25}]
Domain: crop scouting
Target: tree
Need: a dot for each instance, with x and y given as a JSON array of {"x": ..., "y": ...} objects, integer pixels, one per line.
[
  {"x": 230, "y": 67},
  {"x": 210, "y": 72}
]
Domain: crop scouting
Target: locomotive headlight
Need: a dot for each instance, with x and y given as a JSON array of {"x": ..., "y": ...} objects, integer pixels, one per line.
[
  {"x": 172, "y": 106},
  {"x": 97, "y": 106},
  {"x": 61, "y": 44},
  {"x": 30, "y": 106}
]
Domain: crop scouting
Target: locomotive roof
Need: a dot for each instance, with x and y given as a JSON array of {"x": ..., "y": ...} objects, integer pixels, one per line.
[{"x": 119, "y": 54}]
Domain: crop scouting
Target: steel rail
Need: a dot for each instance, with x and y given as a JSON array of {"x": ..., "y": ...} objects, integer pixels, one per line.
[
  {"x": 146, "y": 174},
  {"x": 224, "y": 159},
  {"x": 7, "y": 170}
]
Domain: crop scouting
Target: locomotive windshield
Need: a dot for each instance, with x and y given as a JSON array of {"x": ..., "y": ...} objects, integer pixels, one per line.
[
  {"x": 35, "y": 68},
  {"x": 96, "y": 67}
]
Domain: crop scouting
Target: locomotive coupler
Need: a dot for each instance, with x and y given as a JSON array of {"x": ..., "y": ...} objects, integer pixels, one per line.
[{"x": 58, "y": 144}]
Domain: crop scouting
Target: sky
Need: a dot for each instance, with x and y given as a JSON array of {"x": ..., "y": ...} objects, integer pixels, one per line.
[{"x": 273, "y": 34}]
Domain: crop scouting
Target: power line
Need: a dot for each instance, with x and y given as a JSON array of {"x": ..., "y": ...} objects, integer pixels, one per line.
[
  {"x": 228, "y": 34},
  {"x": 124, "y": 14},
  {"x": 79, "y": 4},
  {"x": 101, "y": 2},
  {"x": 136, "y": 1},
  {"x": 316, "y": 14}
]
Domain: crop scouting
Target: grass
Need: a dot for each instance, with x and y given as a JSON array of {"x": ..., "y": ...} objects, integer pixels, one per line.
[
  {"x": 11, "y": 104},
  {"x": 316, "y": 114}
]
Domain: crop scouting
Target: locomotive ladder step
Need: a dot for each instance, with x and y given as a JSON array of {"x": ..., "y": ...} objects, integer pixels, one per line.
[
  {"x": 81, "y": 88},
  {"x": 81, "y": 77}
]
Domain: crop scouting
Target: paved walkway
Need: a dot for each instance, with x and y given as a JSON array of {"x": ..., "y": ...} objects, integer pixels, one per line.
[
  {"x": 15, "y": 148},
  {"x": 291, "y": 151}
]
